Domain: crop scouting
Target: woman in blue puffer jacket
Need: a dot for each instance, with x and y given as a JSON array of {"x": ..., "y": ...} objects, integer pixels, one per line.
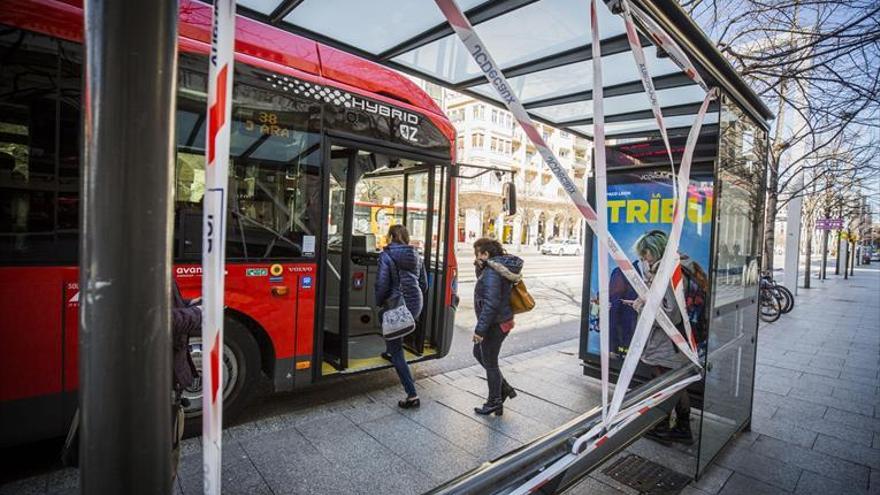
[
  {"x": 400, "y": 261},
  {"x": 497, "y": 271}
]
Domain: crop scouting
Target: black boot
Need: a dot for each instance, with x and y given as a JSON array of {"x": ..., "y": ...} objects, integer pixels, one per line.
[
  {"x": 507, "y": 392},
  {"x": 409, "y": 403},
  {"x": 660, "y": 433},
  {"x": 681, "y": 433},
  {"x": 496, "y": 407}
]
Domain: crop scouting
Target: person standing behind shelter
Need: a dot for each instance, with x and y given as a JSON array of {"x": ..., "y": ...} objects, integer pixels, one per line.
[
  {"x": 401, "y": 272},
  {"x": 496, "y": 273},
  {"x": 660, "y": 353}
]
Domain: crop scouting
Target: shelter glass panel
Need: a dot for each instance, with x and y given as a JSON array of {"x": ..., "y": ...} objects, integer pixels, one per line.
[
  {"x": 731, "y": 347},
  {"x": 373, "y": 26},
  {"x": 647, "y": 124},
  {"x": 553, "y": 26},
  {"x": 620, "y": 104},
  {"x": 573, "y": 78}
]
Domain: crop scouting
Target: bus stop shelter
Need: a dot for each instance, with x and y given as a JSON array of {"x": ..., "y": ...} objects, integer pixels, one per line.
[{"x": 544, "y": 49}]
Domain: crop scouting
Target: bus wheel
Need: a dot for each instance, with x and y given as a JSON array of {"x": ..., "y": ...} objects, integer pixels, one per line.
[{"x": 241, "y": 374}]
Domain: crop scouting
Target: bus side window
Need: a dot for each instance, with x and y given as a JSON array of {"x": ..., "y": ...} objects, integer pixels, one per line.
[
  {"x": 39, "y": 152},
  {"x": 274, "y": 170}
]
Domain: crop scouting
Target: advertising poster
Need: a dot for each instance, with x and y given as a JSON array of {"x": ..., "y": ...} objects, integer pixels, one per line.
[{"x": 640, "y": 203}]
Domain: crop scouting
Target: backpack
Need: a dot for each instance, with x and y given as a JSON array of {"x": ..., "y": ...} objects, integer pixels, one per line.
[{"x": 696, "y": 298}]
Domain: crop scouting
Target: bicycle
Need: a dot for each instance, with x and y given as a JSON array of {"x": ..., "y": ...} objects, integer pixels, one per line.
[
  {"x": 769, "y": 308},
  {"x": 780, "y": 292}
]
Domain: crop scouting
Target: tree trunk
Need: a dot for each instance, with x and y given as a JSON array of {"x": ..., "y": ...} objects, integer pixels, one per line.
[
  {"x": 808, "y": 272},
  {"x": 776, "y": 151}
]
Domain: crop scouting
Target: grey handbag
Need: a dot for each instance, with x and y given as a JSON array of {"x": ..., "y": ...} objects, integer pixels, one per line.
[{"x": 397, "y": 321}]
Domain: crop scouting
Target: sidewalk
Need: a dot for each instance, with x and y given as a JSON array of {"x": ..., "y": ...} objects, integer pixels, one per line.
[
  {"x": 815, "y": 429},
  {"x": 364, "y": 443},
  {"x": 816, "y": 414}
]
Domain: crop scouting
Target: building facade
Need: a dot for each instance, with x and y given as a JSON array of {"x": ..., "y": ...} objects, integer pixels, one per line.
[{"x": 489, "y": 136}]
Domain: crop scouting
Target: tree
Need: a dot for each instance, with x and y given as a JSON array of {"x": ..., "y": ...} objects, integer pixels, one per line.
[{"x": 815, "y": 62}]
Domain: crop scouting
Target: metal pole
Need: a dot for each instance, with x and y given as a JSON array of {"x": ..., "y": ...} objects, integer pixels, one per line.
[
  {"x": 845, "y": 260},
  {"x": 839, "y": 253},
  {"x": 824, "y": 253},
  {"x": 125, "y": 269}
]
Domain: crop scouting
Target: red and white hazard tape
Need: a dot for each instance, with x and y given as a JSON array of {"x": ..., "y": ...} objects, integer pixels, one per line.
[
  {"x": 669, "y": 266},
  {"x": 594, "y": 438},
  {"x": 602, "y": 207},
  {"x": 670, "y": 270},
  {"x": 664, "y": 41},
  {"x": 214, "y": 236},
  {"x": 462, "y": 26}
]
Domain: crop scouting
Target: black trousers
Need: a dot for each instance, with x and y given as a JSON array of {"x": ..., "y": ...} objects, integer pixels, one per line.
[
  {"x": 682, "y": 406},
  {"x": 486, "y": 353}
]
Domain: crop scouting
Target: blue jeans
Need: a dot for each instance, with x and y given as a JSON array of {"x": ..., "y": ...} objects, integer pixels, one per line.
[{"x": 395, "y": 348}]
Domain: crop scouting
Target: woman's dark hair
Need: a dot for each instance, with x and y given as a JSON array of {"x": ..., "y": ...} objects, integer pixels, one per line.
[
  {"x": 490, "y": 246},
  {"x": 398, "y": 233}
]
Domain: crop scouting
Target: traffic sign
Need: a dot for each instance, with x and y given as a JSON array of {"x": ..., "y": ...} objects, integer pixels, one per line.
[{"x": 829, "y": 224}]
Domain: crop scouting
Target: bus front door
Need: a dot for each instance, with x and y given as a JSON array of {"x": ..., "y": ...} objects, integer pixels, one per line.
[{"x": 367, "y": 193}]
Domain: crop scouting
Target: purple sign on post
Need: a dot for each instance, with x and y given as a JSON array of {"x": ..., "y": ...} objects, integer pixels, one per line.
[{"x": 829, "y": 224}]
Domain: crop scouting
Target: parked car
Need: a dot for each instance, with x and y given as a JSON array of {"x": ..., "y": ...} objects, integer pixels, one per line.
[
  {"x": 875, "y": 256},
  {"x": 562, "y": 247}
]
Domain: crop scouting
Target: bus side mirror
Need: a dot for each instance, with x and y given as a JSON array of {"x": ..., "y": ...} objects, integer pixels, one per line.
[{"x": 509, "y": 194}]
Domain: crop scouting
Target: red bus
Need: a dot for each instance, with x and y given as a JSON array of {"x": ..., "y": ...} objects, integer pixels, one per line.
[{"x": 315, "y": 131}]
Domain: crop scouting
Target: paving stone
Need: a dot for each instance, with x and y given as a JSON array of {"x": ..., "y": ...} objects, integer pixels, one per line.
[
  {"x": 591, "y": 486},
  {"x": 462, "y": 431},
  {"x": 35, "y": 485},
  {"x": 364, "y": 408},
  {"x": 807, "y": 379},
  {"x": 866, "y": 456},
  {"x": 525, "y": 404},
  {"x": 853, "y": 419},
  {"x": 239, "y": 475},
  {"x": 776, "y": 385},
  {"x": 858, "y": 406},
  {"x": 798, "y": 409},
  {"x": 739, "y": 484},
  {"x": 291, "y": 464},
  {"x": 787, "y": 431},
  {"x": 692, "y": 490},
  {"x": 64, "y": 481},
  {"x": 874, "y": 487},
  {"x": 860, "y": 378},
  {"x": 816, "y": 484},
  {"x": 851, "y": 395},
  {"x": 713, "y": 479},
  {"x": 512, "y": 424},
  {"x": 811, "y": 460},
  {"x": 836, "y": 430},
  {"x": 748, "y": 462},
  {"x": 369, "y": 464},
  {"x": 430, "y": 453}
]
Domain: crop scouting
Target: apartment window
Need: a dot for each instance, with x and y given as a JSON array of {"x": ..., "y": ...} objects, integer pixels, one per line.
[
  {"x": 479, "y": 111},
  {"x": 477, "y": 141}
]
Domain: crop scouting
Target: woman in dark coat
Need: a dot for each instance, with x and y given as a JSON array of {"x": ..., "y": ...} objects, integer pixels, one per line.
[
  {"x": 497, "y": 271},
  {"x": 402, "y": 272}
]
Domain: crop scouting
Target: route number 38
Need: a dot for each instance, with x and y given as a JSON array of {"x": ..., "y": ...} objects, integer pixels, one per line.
[{"x": 408, "y": 132}]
